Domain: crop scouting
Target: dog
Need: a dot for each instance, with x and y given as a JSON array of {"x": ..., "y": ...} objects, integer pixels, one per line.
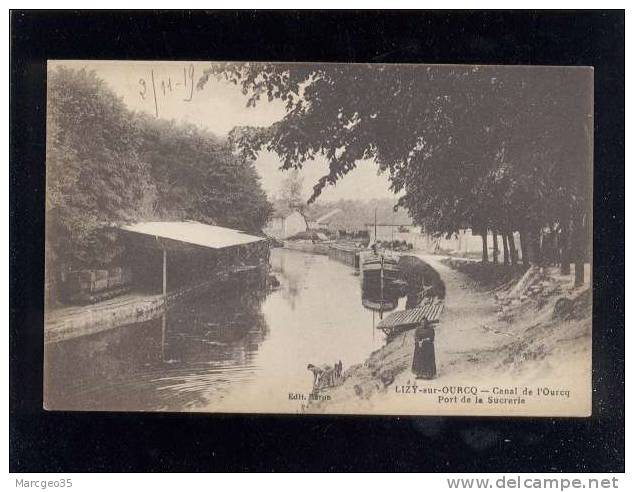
[
  {"x": 323, "y": 377},
  {"x": 338, "y": 370}
]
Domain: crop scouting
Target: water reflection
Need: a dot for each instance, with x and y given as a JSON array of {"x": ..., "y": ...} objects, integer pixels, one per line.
[
  {"x": 381, "y": 299},
  {"x": 188, "y": 359},
  {"x": 237, "y": 349},
  {"x": 224, "y": 327}
]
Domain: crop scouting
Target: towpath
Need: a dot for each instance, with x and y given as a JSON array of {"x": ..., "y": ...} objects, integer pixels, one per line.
[
  {"x": 463, "y": 325},
  {"x": 462, "y": 331}
]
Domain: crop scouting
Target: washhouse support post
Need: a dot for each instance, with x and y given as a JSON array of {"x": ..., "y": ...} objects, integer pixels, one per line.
[{"x": 165, "y": 276}]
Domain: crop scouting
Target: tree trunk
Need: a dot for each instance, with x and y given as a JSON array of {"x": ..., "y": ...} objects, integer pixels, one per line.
[
  {"x": 554, "y": 258},
  {"x": 485, "y": 250},
  {"x": 536, "y": 247},
  {"x": 505, "y": 247},
  {"x": 579, "y": 274},
  {"x": 524, "y": 248},
  {"x": 496, "y": 250},
  {"x": 564, "y": 244},
  {"x": 512, "y": 249},
  {"x": 579, "y": 239},
  {"x": 555, "y": 246}
]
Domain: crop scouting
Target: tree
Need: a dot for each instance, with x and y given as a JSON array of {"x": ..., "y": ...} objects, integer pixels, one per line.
[
  {"x": 292, "y": 188},
  {"x": 107, "y": 166},
  {"x": 480, "y": 147},
  {"x": 197, "y": 176},
  {"x": 94, "y": 174}
]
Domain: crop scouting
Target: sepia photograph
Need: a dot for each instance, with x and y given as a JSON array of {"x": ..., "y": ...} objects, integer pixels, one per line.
[{"x": 318, "y": 238}]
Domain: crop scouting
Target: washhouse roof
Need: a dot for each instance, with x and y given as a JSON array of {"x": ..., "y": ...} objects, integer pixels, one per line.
[{"x": 196, "y": 233}]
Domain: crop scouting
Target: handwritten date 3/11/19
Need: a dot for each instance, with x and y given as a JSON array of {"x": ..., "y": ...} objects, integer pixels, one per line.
[{"x": 156, "y": 87}]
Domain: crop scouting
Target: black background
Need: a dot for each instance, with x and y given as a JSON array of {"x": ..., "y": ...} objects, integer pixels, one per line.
[{"x": 77, "y": 442}]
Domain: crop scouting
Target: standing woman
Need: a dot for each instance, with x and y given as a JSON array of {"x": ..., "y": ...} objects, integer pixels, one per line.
[{"x": 424, "y": 363}]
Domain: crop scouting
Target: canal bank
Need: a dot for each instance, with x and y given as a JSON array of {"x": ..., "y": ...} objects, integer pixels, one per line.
[
  {"x": 479, "y": 342},
  {"x": 182, "y": 259},
  {"x": 65, "y": 323}
]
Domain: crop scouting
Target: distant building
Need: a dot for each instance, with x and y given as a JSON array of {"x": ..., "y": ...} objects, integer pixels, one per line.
[
  {"x": 393, "y": 232},
  {"x": 325, "y": 221},
  {"x": 466, "y": 243},
  {"x": 284, "y": 224}
]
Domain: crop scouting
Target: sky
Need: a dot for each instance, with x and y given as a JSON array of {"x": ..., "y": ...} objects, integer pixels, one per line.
[{"x": 168, "y": 90}]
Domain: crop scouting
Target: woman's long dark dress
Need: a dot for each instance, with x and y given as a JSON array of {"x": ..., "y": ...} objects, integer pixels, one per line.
[{"x": 424, "y": 362}]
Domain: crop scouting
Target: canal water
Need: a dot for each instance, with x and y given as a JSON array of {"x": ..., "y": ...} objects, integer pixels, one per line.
[{"x": 232, "y": 350}]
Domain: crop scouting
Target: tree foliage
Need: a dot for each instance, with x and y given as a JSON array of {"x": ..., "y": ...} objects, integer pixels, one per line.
[
  {"x": 291, "y": 189},
  {"x": 505, "y": 149},
  {"x": 197, "y": 176},
  {"x": 107, "y": 166},
  {"x": 94, "y": 174}
]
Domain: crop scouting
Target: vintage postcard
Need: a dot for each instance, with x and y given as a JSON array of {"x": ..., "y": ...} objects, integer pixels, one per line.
[{"x": 383, "y": 239}]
